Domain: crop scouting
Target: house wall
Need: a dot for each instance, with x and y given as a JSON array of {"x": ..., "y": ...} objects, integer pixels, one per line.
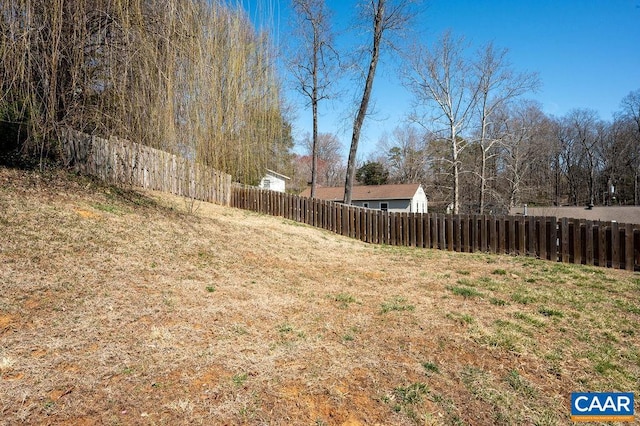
[
  {"x": 393, "y": 205},
  {"x": 419, "y": 202},
  {"x": 273, "y": 183}
]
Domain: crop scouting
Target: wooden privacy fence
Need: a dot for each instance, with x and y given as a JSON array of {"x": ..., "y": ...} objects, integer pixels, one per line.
[
  {"x": 606, "y": 244},
  {"x": 123, "y": 162}
]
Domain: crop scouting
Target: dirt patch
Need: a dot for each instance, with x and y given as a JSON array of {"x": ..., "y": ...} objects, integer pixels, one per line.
[{"x": 5, "y": 321}]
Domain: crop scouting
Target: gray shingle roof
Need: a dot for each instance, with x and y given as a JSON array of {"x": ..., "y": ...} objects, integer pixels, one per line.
[{"x": 366, "y": 192}]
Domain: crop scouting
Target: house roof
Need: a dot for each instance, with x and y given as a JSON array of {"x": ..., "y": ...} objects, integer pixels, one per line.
[
  {"x": 276, "y": 174},
  {"x": 366, "y": 192}
]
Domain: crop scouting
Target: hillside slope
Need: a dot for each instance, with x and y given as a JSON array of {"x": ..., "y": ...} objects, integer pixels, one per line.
[{"x": 121, "y": 307}]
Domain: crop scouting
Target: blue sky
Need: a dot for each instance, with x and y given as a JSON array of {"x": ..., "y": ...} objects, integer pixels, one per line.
[{"x": 586, "y": 52}]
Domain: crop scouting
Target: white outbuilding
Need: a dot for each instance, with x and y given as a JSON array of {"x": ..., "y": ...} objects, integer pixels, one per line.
[{"x": 274, "y": 181}]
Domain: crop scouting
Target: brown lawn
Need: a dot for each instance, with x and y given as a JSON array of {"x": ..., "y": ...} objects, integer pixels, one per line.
[{"x": 121, "y": 307}]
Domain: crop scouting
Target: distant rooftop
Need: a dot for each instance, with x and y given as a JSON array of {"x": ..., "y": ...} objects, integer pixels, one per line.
[{"x": 366, "y": 192}]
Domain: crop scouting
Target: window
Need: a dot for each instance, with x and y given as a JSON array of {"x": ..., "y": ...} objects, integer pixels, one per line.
[
  {"x": 365, "y": 205},
  {"x": 384, "y": 206},
  {"x": 266, "y": 184}
]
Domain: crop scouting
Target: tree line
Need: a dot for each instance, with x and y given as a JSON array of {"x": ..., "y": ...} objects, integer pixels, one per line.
[
  {"x": 472, "y": 137},
  {"x": 536, "y": 159}
]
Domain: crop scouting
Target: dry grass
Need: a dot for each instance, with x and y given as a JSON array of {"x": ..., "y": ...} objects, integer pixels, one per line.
[{"x": 118, "y": 307}]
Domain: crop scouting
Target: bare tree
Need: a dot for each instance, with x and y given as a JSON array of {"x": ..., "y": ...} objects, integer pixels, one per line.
[
  {"x": 631, "y": 109},
  {"x": 521, "y": 146},
  {"x": 577, "y": 134},
  {"x": 631, "y": 113},
  {"x": 441, "y": 77},
  {"x": 405, "y": 154},
  {"x": 313, "y": 66},
  {"x": 498, "y": 85},
  {"x": 584, "y": 128},
  {"x": 385, "y": 16},
  {"x": 330, "y": 168}
]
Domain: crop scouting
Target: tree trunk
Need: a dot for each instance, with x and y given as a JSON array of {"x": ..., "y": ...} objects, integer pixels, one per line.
[
  {"x": 364, "y": 104},
  {"x": 456, "y": 172},
  {"x": 314, "y": 105}
]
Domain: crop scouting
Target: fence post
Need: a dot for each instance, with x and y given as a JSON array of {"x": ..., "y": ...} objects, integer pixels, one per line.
[
  {"x": 521, "y": 241},
  {"x": 392, "y": 228},
  {"x": 466, "y": 236},
  {"x": 602, "y": 244},
  {"x": 564, "y": 240},
  {"x": 404, "y": 229},
  {"x": 578, "y": 253},
  {"x": 553, "y": 240},
  {"x": 615, "y": 245},
  {"x": 483, "y": 234},
  {"x": 533, "y": 237},
  {"x": 628, "y": 248},
  {"x": 434, "y": 230}
]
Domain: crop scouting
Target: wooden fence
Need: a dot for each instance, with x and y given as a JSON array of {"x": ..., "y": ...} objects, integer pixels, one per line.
[
  {"x": 128, "y": 163},
  {"x": 606, "y": 244}
]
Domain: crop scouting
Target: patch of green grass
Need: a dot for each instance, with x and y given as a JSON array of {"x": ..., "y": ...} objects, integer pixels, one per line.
[
  {"x": 430, "y": 367},
  {"x": 344, "y": 299},
  {"x": 519, "y": 383},
  {"x": 529, "y": 319},
  {"x": 604, "y": 365},
  {"x": 348, "y": 337},
  {"x": 411, "y": 394},
  {"x": 285, "y": 328},
  {"x": 239, "y": 379},
  {"x": 522, "y": 298},
  {"x": 627, "y": 306},
  {"x": 405, "y": 399},
  {"x": 461, "y": 318},
  {"x": 210, "y": 288},
  {"x": 499, "y": 272},
  {"x": 466, "y": 292},
  {"x": 628, "y": 332},
  {"x": 239, "y": 329},
  {"x": 548, "y": 312},
  {"x": 496, "y": 398},
  {"x": 607, "y": 335},
  {"x": 603, "y": 357},
  {"x": 506, "y": 335},
  {"x": 489, "y": 283},
  {"x": 397, "y": 304},
  {"x": 562, "y": 268},
  {"x": 108, "y": 208},
  {"x": 497, "y": 302},
  {"x": 463, "y": 272}
]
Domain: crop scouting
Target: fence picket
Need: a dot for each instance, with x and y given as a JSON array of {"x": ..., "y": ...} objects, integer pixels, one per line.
[{"x": 615, "y": 245}]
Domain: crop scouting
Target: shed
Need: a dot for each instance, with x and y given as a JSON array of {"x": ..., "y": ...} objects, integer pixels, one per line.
[
  {"x": 409, "y": 198},
  {"x": 274, "y": 181}
]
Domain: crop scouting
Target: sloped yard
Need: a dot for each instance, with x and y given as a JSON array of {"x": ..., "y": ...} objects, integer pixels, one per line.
[{"x": 130, "y": 307}]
